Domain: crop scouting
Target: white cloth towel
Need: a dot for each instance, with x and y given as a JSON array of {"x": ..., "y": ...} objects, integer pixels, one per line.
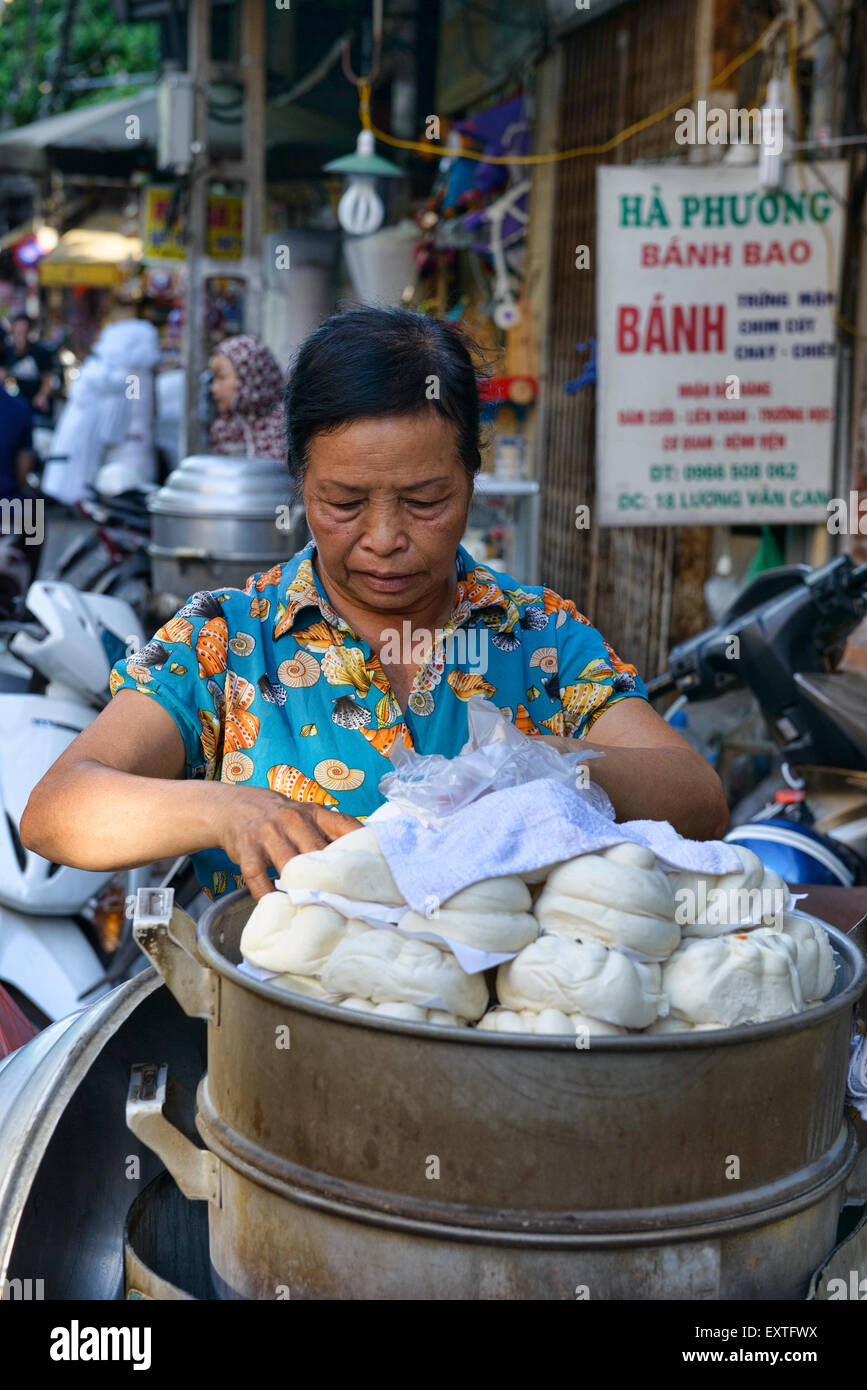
[{"x": 518, "y": 829}]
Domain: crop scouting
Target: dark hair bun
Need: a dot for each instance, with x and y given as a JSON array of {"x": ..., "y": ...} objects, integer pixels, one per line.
[{"x": 368, "y": 362}]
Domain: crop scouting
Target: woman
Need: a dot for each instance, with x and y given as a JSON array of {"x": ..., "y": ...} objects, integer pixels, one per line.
[
  {"x": 256, "y": 725},
  {"x": 247, "y": 386}
]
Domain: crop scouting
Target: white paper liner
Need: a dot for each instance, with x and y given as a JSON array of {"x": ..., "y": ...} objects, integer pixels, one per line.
[
  {"x": 378, "y": 914},
  {"x": 471, "y": 960}
]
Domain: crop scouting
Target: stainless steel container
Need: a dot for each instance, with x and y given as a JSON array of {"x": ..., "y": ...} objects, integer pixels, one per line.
[
  {"x": 351, "y": 1157},
  {"x": 69, "y": 1167},
  {"x": 219, "y": 519}
]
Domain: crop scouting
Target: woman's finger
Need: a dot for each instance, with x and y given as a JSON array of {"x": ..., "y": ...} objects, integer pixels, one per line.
[
  {"x": 279, "y": 844},
  {"x": 334, "y": 823},
  {"x": 306, "y": 833},
  {"x": 254, "y": 867}
]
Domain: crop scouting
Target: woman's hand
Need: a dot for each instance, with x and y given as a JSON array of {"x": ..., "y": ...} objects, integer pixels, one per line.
[{"x": 258, "y": 828}]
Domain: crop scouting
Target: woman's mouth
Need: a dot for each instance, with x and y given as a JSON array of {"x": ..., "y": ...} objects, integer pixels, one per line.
[{"x": 387, "y": 583}]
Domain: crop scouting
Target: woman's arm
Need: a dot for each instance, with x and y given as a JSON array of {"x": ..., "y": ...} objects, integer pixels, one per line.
[
  {"x": 117, "y": 798},
  {"x": 651, "y": 773}
]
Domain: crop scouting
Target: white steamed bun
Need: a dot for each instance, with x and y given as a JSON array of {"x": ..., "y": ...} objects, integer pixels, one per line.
[
  {"x": 713, "y": 904},
  {"x": 556, "y": 973},
  {"x": 814, "y": 956},
  {"x": 382, "y": 966},
  {"x": 749, "y": 977},
  {"x": 492, "y": 915},
  {"x": 353, "y": 866},
  {"x": 546, "y": 1021},
  {"x": 414, "y": 1012},
  {"x": 618, "y": 897},
  {"x": 295, "y": 940}
]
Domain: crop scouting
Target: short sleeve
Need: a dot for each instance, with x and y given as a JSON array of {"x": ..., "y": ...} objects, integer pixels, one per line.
[
  {"x": 183, "y": 667},
  {"x": 592, "y": 675}
]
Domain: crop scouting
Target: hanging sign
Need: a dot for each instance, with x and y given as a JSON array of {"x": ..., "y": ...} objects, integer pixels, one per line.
[
  {"x": 716, "y": 348},
  {"x": 163, "y": 240}
]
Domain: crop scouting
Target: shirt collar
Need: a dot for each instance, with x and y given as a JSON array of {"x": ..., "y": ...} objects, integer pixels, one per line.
[{"x": 476, "y": 591}]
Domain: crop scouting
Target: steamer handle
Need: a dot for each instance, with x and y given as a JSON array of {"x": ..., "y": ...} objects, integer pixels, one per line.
[
  {"x": 167, "y": 936},
  {"x": 196, "y": 1171}
]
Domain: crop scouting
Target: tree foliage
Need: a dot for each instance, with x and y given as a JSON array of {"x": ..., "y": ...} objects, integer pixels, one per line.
[{"x": 98, "y": 47}]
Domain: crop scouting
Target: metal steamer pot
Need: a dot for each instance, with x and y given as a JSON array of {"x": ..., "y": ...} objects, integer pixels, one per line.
[
  {"x": 219, "y": 519},
  {"x": 356, "y": 1157}
]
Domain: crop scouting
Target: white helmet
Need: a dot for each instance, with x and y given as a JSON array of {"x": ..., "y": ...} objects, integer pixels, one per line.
[
  {"x": 36, "y": 730},
  {"x": 114, "y": 478},
  {"x": 85, "y": 634}
]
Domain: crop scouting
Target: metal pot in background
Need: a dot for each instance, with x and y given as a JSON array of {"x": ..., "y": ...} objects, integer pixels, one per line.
[
  {"x": 219, "y": 519},
  {"x": 353, "y": 1157}
]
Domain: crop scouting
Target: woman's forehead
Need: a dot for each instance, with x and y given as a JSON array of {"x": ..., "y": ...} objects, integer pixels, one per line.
[{"x": 425, "y": 434}]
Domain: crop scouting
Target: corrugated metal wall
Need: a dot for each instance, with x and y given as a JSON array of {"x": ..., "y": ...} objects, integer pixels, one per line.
[{"x": 641, "y": 586}]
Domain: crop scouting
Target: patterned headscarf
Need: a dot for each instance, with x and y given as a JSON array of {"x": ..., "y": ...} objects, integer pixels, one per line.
[{"x": 254, "y": 425}]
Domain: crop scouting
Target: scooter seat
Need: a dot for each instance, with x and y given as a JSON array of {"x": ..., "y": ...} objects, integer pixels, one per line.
[{"x": 841, "y": 695}]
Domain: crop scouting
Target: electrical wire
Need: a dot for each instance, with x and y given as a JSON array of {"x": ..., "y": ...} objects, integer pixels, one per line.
[
  {"x": 375, "y": 54},
  {"x": 316, "y": 74},
  {"x": 792, "y": 50},
  {"x": 428, "y": 148}
]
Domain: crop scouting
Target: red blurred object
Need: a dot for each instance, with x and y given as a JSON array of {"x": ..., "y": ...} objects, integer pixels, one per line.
[
  {"x": 788, "y": 796},
  {"x": 519, "y": 389},
  {"x": 15, "y": 1029}
]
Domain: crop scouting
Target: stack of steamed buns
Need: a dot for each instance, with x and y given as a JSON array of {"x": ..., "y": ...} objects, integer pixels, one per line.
[{"x": 600, "y": 951}]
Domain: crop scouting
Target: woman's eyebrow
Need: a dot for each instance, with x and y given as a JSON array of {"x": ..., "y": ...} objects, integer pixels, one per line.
[{"x": 404, "y": 487}]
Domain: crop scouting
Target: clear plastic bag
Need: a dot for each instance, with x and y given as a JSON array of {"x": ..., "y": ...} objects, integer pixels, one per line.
[{"x": 495, "y": 756}]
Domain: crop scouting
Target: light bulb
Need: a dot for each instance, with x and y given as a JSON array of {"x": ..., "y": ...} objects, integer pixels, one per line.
[{"x": 360, "y": 210}]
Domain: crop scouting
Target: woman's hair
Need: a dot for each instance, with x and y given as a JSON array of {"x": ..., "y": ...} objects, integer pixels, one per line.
[{"x": 367, "y": 362}]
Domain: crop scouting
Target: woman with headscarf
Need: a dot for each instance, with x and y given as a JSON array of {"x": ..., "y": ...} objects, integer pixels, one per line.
[{"x": 248, "y": 388}]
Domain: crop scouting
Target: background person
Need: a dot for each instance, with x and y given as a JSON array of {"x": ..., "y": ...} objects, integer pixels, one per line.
[
  {"x": 247, "y": 386},
  {"x": 18, "y": 558},
  {"x": 32, "y": 366}
]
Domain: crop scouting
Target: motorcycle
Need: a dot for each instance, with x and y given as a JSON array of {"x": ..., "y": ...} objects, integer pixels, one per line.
[
  {"x": 58, "y": 925},
  {"x": 781, "y": 638},
  {"x": 120, "y": 564}
]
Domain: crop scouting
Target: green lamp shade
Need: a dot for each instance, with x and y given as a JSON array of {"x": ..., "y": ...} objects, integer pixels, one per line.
[{"x": 364, "y": 161}]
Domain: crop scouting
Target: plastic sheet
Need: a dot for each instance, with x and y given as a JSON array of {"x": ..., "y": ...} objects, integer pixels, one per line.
[{"x": 495, "y": 756}]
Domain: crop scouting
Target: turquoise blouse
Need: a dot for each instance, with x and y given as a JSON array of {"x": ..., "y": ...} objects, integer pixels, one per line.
[{"x": 270, "y": 686}]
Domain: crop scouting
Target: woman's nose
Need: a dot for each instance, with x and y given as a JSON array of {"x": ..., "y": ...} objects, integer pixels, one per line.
[{"x": 382, "y": 531}]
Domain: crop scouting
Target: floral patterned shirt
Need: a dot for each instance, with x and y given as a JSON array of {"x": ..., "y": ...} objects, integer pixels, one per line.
[{"x": 269, "y": 685}]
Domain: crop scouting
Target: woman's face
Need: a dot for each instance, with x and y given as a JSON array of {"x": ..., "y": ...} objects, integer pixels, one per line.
[
  {"x": 387, "y": 502},
  {"x": 224, "y": 383}
]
